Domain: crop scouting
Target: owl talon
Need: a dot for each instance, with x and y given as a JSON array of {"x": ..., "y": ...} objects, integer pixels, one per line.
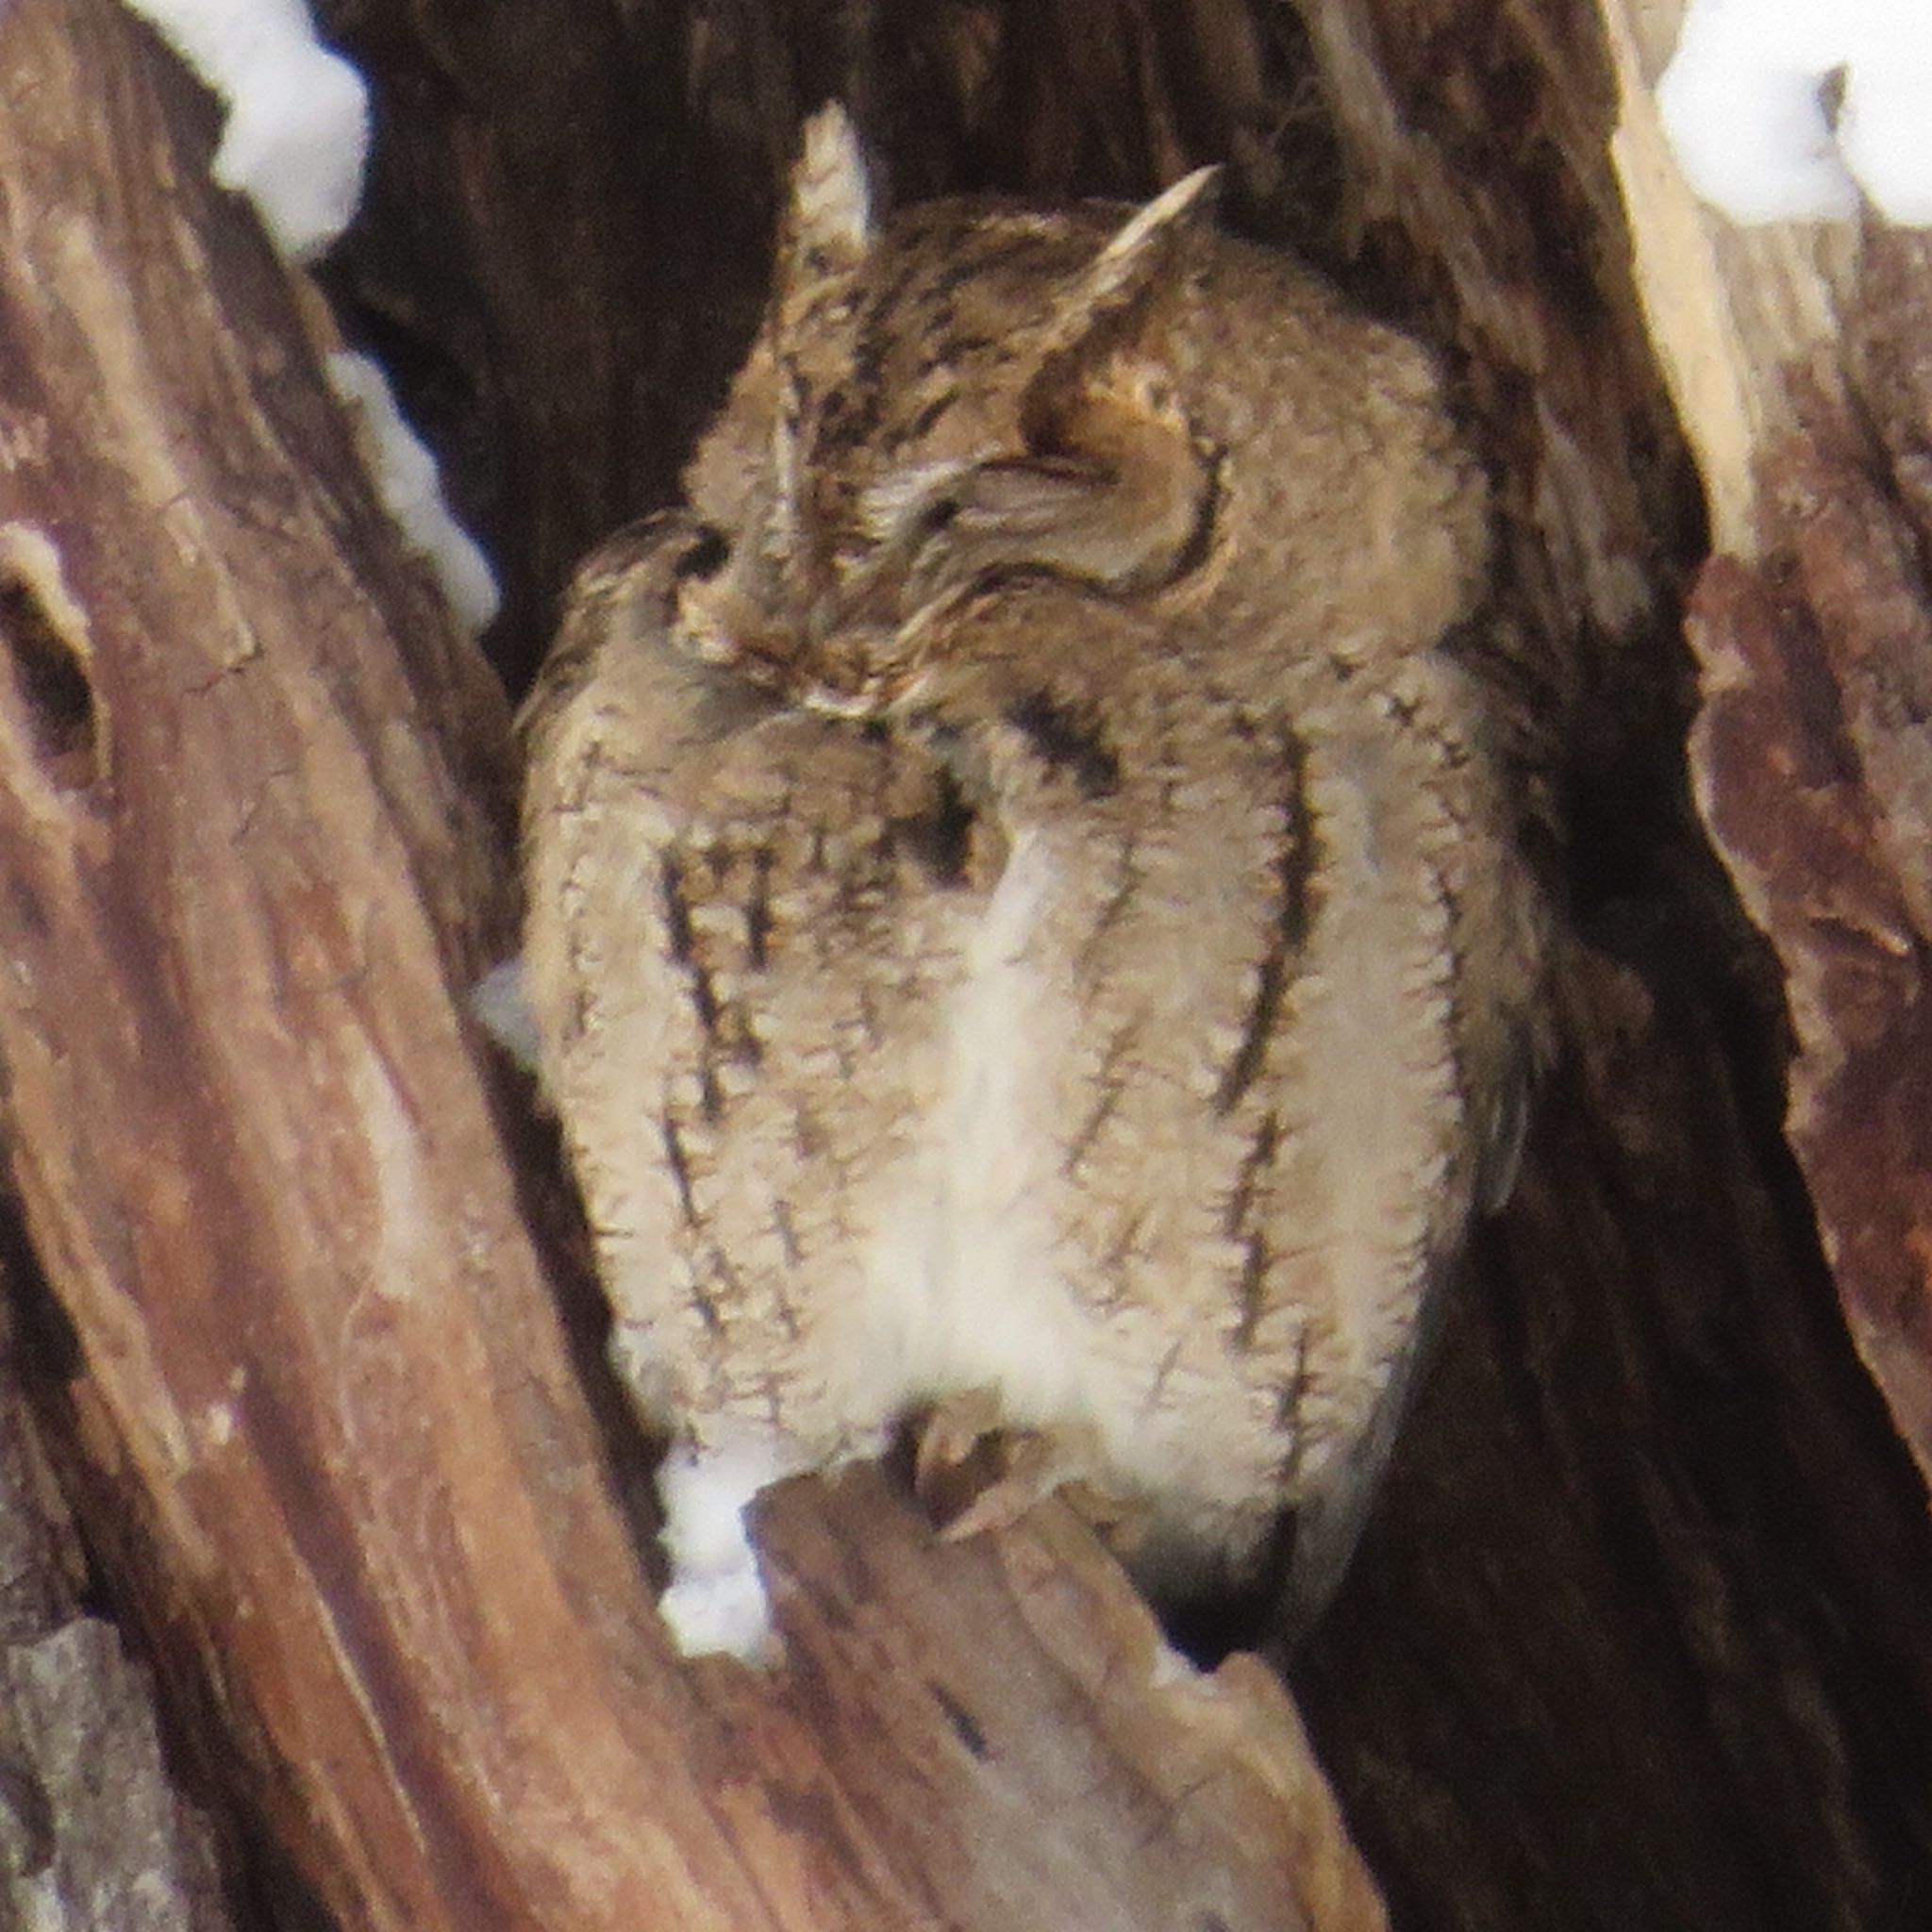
[
  {"x": 976, "y": 1475},
  {"x": 1120, "y": 1520},
  {"x": 1036, "y": 1465},
  {"x": 949, "y": 1438}
]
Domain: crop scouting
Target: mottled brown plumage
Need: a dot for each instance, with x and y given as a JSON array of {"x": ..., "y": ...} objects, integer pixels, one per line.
[{"x": 1026, "y": 918}]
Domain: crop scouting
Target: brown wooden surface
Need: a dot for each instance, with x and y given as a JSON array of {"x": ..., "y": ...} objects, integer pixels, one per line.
[
  {"x": 324, "y": 1422},
  {"x": 1798, "y": 356},
  {"x": 1641, "y": 1633},
  {"x": 95, "y": 1835}
]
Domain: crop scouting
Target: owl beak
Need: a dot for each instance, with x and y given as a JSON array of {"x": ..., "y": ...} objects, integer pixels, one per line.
[
  {"x": 850, "y": 675},
  {"x": 827, "y": 702},
  {"x": 721, "y": 626}
]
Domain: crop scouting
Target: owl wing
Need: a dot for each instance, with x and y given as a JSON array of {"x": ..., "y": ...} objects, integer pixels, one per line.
[
  {"x": 1401, "y": 1066},
  {"x": 727, "y": 939}
]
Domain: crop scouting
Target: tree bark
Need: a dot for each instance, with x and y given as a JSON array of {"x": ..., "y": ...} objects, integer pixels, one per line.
[
  {"x": 325, "y": 1425},
  {"x": 93, "y": 1835},
  {"x": 1640, "y": 1632},
  {"x": 1796, "y": 358},
  {"x": 1652, "y": 1554}
]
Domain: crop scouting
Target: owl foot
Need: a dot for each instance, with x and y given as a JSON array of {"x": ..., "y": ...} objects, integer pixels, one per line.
[
  {"x": 1035, "y": 1463},
  {"x": 975, "y": 1473},
  {"x": 954, "y": 1437}
]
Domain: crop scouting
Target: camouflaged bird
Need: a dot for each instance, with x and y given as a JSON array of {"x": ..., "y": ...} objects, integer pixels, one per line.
[{"x": 1027, "y": 920}]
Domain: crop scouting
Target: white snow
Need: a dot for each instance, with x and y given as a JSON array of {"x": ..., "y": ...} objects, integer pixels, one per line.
[
  {"x": 411, "y": 491},
  {"x": 716, "y": 1602},
  {"x": 297, "y": 131},
  {"x": 295, "y": 142},
  {"x": 1742, "y": 103},
  {"x": 501, "y": 1003}
]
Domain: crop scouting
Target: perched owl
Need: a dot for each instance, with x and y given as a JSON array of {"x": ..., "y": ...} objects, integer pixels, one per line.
[{"x": 1026, "y": 925}]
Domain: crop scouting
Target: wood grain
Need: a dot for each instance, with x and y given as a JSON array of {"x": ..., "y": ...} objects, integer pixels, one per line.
[
  {"x": 326, "y": 1420},
  {"x": 1796, "y": 355}
]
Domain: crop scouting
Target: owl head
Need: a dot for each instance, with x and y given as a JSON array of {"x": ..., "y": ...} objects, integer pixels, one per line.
[
  {"x": 1119, "y": 398},
  {"x": 967, "y": 387}
]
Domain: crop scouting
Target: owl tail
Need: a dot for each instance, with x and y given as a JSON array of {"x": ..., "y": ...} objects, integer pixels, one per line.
[{"x": 1328, "y": 1524}]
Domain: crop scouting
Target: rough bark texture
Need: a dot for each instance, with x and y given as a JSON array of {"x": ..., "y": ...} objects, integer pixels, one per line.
[
  {"x": 1800, "y": 359},
  {"x": 1641, "y": 1632},
  {"x": 93, "y": 1835},
  {"x": 1648, "y": 1586},
  {"x": 326, "y": 1430}
]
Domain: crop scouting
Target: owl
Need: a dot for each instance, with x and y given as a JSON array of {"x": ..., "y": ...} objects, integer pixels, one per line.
[{"x": 1026, "y": 925}]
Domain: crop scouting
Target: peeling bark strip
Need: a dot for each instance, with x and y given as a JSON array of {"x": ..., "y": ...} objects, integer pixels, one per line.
[
  {"x": 1235, "y": 1826},
  {"x": 1650, "y": 1551},
  {"x": 248, "y": 864},
  {"x": 1826, "y": 860},
  {"x": 255, "y": 1157},
  {"x": 1796, "y": 356}
]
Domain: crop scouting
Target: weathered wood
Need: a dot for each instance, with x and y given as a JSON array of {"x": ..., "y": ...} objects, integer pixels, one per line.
[
  {"x": 539, "y": 174},
  {"x": 327, "y": 1427},
  {"x": 93, "y": 1835},
  {"x": 1641, "y": 1633},
  {"x": 1610, "y": 1654},
  {"x": 256, "y": 1154},
  {"x": 1018, "y": 1684},
  {"x": 1796, "y": 355}
]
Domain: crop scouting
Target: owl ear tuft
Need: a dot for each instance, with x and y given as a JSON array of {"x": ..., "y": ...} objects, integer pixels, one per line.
[
  {"x": 825, "y": 236},
  {"x": 1140, "y": 247},
  {"x": 828, "y": 222},
  {"x": 1104, "y": 294},
  {"x": 1107, "y": 439},
  {"x": 1098, "y": 312}
]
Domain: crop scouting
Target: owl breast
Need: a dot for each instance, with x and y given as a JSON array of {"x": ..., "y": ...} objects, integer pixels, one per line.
[{"x": 964, "y": 1278}]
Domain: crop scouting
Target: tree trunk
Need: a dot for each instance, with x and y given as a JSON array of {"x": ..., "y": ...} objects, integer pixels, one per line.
[
  {"x": 325, "y": 1423},
  {"x": 1798, "y": 361},
  {"x": 1641, "y": 1633},
  {"x": 92, "y": 1832}
]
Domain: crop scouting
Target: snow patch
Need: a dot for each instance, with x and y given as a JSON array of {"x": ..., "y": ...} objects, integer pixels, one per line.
[
  {"x": 1742, "y": 103},
  {"x": 411, "y": 491},
  {"x": 501, "y": 1003},
  {"x": 716, "y": 1602},
  {"x": 296, "y": 138}
]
